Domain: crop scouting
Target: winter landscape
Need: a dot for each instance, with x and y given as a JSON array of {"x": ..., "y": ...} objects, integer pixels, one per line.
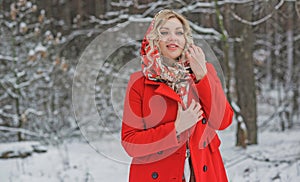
[
  {"x": 276, "y": 158},
  {"x": 64, "y": 68}
]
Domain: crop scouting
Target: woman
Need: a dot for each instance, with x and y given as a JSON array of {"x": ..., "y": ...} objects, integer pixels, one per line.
[{"x": 173, "y": 107}]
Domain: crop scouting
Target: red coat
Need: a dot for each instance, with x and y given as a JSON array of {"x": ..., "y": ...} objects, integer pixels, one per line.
[{"x": 149, "y": 136}]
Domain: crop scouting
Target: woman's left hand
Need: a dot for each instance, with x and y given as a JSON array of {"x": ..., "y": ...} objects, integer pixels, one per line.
[{"x": 196, "y": 57}]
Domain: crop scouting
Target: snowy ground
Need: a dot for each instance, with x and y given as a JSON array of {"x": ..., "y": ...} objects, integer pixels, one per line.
[{"x": 276, "y": 158}]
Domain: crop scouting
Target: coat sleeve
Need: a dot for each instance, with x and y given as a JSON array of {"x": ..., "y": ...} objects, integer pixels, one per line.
[
  {"x": 213, "y": 100},
  {"x": 137, "y": 140}
]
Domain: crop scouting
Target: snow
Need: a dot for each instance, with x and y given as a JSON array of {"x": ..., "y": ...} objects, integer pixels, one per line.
[
  {"x": 17, "y": 149},
  {"x": 7, "y": 107},
  {"x": 21, "y": 73},
  {"x": 48, "y": 33},
  {"x": 31, "y": 53},
  {"x": 243, "y": 125},
  {"x": 29, "y": 4},
  {"x": 33, "y": 111},
  {"x": 8, "y": 58},
  {"x": 43, "y": 12},
  {"x": 204, "y": 30},
  {"x": 276, "y": 158},
  {"x": 40, "y": 48},
  {"x": 235, "y": 107},
  {"x": 76, "y": 161},
  {"x": 23, "y": 25},
  {"x": 240, "y": 118}
]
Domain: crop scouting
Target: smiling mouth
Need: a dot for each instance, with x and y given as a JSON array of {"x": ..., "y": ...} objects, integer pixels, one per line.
[{"x": 172, "y": 46}]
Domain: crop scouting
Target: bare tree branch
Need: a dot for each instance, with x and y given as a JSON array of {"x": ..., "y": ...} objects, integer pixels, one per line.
[
  {"x": 8, "y": 58},
  {"x": 8, "y": 115},
  {"x": 33, "y": 111},
  {"x": 254, "y": 23},
  {"x": 9, "y": 91},
  {"x": 21, "y": 130},
  {"x": 3, "y": 96},
  {"x": 200, "y": 29}
]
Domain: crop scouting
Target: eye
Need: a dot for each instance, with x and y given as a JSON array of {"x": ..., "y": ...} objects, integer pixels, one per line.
[
  {"x": 179, "y": 33},
  {"x": 164, "y": 33}
]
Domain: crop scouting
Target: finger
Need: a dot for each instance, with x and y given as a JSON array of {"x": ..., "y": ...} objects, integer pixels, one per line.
[
  {"x": 194, "y": 47},
  {"x": 193, "y": 104},
  {"x": 200, "y": 117},
  {"x": 197, "y": 107},
  {"x": 199, "y": 113},
  {"x": 188, "y": 55},
  {"x": 192, "y": 50},
  {"x": 199, "y": 50},
  {"x": 200, "y": 104}
]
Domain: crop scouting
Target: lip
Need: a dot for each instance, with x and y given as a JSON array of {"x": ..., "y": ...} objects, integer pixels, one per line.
[{"x": 172, "y": 46}]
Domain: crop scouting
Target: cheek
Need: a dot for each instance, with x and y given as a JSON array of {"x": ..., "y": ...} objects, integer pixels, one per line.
[
  {"x": 161, "y": 47},
  {"x": 182, "y": 44},
  {"x": 162, "y": 41},
  {"x": 182, "y": 41},
  {"x": 161, "y": 44}
]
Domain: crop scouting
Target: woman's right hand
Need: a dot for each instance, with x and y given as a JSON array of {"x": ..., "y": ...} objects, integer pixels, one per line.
[{"x": 189, "y": 117}]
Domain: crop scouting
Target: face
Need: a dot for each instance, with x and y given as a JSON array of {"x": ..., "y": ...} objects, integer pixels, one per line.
[{"x": 172, "y": 40}]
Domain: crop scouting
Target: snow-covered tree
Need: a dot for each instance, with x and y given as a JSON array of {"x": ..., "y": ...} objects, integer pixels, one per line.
[{"x": 31, "y": 73}]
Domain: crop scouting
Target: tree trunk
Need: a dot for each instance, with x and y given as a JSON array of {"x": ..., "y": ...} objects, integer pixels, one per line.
[
  {"x": 245, "y": 82},
  {"x": 101, "y": 7},
  {"x": 297, "y": 5},
  {"x": 268, "y": 38},
  {"x": 80, "y": 12},
  {"x": 18, "y": 112},
  {"x": 290, "y": 58},
  {"x": 296, "y": 78},
  {"x": 225, "y": 47},
  {"x": 67, "y": 15}
]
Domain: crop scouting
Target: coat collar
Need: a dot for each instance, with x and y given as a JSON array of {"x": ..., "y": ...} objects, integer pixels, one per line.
[{"x": 164, "y": 90}]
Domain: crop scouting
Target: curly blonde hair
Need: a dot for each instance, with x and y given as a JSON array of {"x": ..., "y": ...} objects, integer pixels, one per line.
[{"x": 160, "y": 19}]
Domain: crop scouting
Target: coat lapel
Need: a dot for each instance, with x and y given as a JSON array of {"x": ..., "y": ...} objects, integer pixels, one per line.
[{"x": 164, "y": 90}]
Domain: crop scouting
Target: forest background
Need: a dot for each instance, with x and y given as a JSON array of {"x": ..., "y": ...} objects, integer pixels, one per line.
[{"x": 42, "y": 43}]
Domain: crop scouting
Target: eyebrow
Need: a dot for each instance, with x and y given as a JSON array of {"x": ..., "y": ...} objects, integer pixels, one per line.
[{"x": 168, "y": 28}]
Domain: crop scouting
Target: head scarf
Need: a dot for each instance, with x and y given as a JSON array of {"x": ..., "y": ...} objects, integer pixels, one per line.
[{"x": 175, "y": 73}]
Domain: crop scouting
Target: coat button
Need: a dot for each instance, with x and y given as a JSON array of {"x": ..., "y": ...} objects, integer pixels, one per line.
[
  {"x": 204, "y": 121},
  {"x": 154, "y": 175},
  {"x": 204, "y": 168},
  {"x": 204, "y": 144}
]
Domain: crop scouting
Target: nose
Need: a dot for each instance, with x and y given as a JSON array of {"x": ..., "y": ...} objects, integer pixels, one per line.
[{"x": 172, "y": 37}]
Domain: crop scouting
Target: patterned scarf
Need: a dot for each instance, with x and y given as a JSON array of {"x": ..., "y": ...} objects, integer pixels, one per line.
[{"x": 175, "y": 73}]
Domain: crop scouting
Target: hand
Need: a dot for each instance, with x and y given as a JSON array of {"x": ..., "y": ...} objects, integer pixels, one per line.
[
  {"x": 189, "y": 117},
  {"x": 196, "y": 57}
]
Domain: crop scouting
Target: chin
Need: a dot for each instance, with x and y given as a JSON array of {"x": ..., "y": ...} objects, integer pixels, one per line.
[{"x": 175, "y": 57}]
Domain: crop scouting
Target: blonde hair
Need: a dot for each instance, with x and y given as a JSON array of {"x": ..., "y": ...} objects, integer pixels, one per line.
[{"x": 160, "y": 19}]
